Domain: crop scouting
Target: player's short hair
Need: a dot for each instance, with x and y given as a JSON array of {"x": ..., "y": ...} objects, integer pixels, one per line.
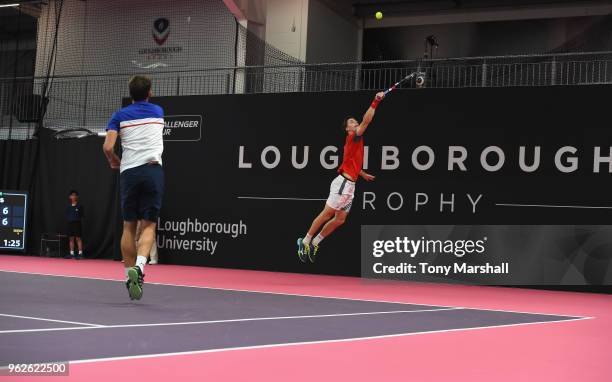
[
  {"x": 73, "y": 192},
  {"x": 345, "y": 122},
  {"x": 140, "y": 86}
]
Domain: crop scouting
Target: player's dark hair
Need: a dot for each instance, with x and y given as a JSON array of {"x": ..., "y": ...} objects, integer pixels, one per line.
[
  {"x": 140, "y": 86},
  {"x": 345, "y": 122},
  {"x": 73, "y": 192}
]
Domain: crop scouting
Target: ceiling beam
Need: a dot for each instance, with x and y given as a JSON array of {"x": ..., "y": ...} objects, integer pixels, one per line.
[
  {"x": 247, "y": 10},
  {"x": 492, "y": 14},
  {"x": 235, "y": 9}
]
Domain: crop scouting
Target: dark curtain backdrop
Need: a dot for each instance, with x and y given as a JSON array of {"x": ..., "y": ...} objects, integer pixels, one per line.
[{"x": 50, "y": 174}]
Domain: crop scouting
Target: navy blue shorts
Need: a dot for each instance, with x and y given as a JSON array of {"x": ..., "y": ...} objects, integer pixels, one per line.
[
  {"x": 74, "y": 229},
  {"x": 142, "y": 189}
]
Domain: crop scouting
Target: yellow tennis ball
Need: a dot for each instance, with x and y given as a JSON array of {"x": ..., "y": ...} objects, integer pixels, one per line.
[{"x": 379, "y": 15}]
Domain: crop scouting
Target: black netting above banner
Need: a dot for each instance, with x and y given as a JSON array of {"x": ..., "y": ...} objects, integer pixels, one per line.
[
  {"x": 66, "y": 63},
  {"x": 75, "y": 57}
]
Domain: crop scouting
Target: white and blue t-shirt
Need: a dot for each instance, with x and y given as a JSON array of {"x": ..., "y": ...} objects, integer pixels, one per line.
[{"x": 140, "y": 126}]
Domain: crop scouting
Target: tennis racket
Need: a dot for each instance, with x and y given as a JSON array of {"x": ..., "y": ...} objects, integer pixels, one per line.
[
  {"x": 77, "y": 134},
  {"x": 420, "y": 81}
]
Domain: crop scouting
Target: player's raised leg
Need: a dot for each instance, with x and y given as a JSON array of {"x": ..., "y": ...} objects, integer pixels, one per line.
[
  {"x": 304, "y": 243},
  {"x": 145, "y": 243},
  {"x": 128, "y": 246},
  {"x": 150, "y": 196},
  {"x": 329, "y": 227},
  {"x": 128, "y": 251},
  {"x": 130, "y": 186},
  {"x": 147, "y": 239}
]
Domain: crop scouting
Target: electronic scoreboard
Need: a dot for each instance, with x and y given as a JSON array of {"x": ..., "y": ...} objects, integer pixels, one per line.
[{"x": 13, "y": 208}]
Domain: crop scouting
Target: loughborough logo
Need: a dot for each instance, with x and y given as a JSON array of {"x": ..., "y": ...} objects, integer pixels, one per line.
[
  {"x": 182, "y": 128},
  {"x": 161, "y": 30}
]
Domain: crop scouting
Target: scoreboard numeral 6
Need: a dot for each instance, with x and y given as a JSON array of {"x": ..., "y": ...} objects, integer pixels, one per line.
[
  {"x": 5, "y": 211},
  {"x": 5, "y": 221}
]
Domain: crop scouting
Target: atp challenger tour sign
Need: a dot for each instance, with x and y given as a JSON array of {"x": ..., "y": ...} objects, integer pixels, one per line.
[
  {"x": 510, "y": 169},
  {"x": 182, "y": 128}
]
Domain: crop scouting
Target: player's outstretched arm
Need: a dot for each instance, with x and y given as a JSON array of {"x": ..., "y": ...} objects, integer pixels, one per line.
[{"x": 369, "y": 115}]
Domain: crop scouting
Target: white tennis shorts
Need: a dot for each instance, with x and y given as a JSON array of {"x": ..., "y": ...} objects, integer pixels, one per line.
[{"x": 341, "y": 194}]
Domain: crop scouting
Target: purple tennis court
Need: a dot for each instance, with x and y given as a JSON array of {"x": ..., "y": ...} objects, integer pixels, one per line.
[
  {"x": 196, "y": 320},
  {"x": 91, "y": 315}
]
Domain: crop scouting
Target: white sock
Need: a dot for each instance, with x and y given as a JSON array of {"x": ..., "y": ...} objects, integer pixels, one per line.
[
  {"x": 140, "y": 262},
  {"x": 80, "y": 252},
  {"x": 71, "y": 253},
  {"x": 307, "y": 239},
  {"x": 318, "y": 239},
  {"x": 126, "y": 272}
]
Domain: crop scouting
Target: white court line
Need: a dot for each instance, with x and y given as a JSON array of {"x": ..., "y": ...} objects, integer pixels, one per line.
[
  {"x": 50, "y": 320},
  {"x": 552, "y": 206},
  {"x": 221, "y": 321},
  {"x": 280, "y": 198},
  {"x": 93, "y": 360},
  {"x": 300, "y": 295}
]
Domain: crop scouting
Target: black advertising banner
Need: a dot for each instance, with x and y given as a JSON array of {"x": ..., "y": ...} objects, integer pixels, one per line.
[{"x": 243, "y": 193}]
